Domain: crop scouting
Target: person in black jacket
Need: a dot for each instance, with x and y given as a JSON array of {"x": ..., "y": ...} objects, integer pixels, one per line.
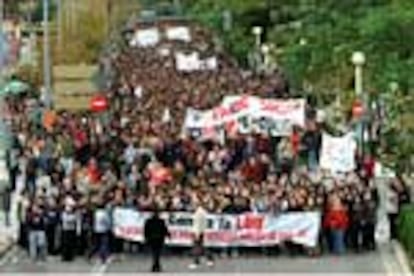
[
  {"x": 155, "y": 233},
  {"x": 53, "y": 217},
  {"x": 36, "y": 223},
  {"x": 70, "y": 224}
]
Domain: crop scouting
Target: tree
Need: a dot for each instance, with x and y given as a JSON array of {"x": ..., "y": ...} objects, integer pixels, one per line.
[{"x": 316, "y": 39}]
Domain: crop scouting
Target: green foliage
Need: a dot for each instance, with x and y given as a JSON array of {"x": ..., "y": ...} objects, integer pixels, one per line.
[
  {"x": 316, "y": 39},
  {"x": 405, "y": 230}
]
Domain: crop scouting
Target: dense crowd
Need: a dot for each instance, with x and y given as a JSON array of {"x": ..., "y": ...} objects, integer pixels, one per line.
[{"x": 75, "y": 165}]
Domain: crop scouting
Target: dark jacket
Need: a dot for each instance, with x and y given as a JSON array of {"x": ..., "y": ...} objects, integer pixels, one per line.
[
  {"x": 36, "y": 222},
  {"x": 155, "y": 231}
]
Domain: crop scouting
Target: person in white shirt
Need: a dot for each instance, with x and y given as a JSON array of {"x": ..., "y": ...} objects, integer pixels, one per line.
[
  {"x": 101, "y": 228},
  {"x": 392, "y": 207},
  {"x": 199, "y": 228}
]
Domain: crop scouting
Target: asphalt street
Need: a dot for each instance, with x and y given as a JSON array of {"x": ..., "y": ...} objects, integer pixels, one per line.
[{"x": 384, "y": 262}]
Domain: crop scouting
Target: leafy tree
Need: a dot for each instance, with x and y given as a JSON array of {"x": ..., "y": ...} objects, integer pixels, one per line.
[{"x": 316, "y": 39}]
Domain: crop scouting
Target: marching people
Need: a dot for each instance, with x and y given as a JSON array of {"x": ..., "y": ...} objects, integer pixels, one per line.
[
  {"x": 36, "y": 223},
  {"x": 155, "y": 232},
  {"x": 392, "y": 206},
  {"x": 199, "y": 228},
  {"x": 85, "y": 240},
  {"x": 52, "y": 227},
  {"x": 233, "y": 176},
  {"x": 336, "y": 222},
  {"x": 101, "y": 231},
  {"x": 23, "y": 204},
  {"x": 70, "y": 224},
  {"x": 6, "y": 200},
  {"x": 370, "y": 205}
]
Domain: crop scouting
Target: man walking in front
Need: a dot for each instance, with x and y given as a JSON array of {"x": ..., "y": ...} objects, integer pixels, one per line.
[
  {"x": 155, "y": 233},
  {"x": 199, "y": 227}
]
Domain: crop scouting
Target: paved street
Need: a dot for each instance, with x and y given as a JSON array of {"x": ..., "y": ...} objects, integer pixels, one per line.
[{"x": 384, "y": 263}]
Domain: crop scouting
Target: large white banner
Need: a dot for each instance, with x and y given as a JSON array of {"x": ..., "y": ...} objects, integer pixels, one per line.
[
  {"x": 338, "y": 153},
  {"x": 248, "y": 230},
  {"x": 246, "y": 114}
]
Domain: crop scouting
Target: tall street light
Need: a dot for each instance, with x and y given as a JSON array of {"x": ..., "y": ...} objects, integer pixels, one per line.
[
  {"x": 358, "y": 59},
  {"x": 257, "y": 31},
  {"x": 257, "y": 55},
  {"x": 46, "y": 56}
]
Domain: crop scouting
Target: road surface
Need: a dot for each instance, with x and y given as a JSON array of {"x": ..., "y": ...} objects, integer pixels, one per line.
[{"x": 382, "y": 262}]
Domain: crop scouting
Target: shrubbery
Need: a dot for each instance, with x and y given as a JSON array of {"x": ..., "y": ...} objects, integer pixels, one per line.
[{"x": 406, "y": 231}]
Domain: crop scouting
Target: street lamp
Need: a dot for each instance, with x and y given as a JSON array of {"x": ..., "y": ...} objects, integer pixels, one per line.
[
  {"x": 257, "y": 31},
  {"x": 46, "y": 55},
  {"x": 358, "y": 59}
]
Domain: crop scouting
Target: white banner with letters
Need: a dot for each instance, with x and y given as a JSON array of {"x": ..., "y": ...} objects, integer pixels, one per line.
[
  {"x": 248, "y": 230},
  {"x": 179, "y": 33},
  {"x": 338, "y": 153},
  {"x": 145, "y": 38},
  {"x": 193, "y": 62},
  {"x": 245, "y": 114}
]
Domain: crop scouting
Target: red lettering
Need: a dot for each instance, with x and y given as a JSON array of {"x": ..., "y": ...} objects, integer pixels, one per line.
[
  {"x": 250, "y": 221},
  {"x": 239, "y": 105},
  {"x": 279, "y": 107}
]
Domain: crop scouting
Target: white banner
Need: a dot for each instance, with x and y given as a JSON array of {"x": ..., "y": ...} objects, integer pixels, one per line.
[
  {"x": 248, "y": 230},
  {"x": 246, "y": 114},
  {"x": 145, "y": 38},
  {"x": 192, "y": 62},
  {"x": 338, "y": 153},
  {"x": 179, "y": 33}
]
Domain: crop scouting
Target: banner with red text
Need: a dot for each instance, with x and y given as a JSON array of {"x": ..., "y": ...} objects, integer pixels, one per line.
[
  {"x": 248, "y": 230},
  {"x": 246, "y": 114}
]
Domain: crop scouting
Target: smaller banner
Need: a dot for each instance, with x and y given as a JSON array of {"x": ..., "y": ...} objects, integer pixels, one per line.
[
  {"x": 192, "y": 62},
  {"x": 338, "y": 153},
  {"x": 145, "y": 38},
  {"x": 179, "y": 33}
]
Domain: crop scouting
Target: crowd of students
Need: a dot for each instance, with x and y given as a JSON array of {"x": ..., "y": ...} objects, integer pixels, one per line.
[{"x": 72, "y": 170}]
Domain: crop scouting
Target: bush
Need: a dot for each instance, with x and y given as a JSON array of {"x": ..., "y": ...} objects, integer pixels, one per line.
[{"x": 406, "y": 230}]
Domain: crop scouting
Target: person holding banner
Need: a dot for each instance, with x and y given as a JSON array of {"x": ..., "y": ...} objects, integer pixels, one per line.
[
  {"x": 155, "y": 231},
  {"x": 199, "y": 228}
]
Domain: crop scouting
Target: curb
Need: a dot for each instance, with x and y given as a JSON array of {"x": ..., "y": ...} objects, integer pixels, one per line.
[{"x": 402, "y": 258}]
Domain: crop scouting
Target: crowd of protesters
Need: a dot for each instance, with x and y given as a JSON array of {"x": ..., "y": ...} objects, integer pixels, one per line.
[{"x": 76, "y": 167}]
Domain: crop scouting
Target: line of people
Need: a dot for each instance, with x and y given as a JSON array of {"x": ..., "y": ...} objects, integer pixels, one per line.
[{"x": 68, "y": 230}]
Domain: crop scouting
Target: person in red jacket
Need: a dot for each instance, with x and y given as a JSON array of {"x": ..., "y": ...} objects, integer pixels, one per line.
[{"x": 336, "y": 222}]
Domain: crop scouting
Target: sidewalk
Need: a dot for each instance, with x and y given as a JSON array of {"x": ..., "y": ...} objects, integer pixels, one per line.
[{"x": 6, "y": 241}]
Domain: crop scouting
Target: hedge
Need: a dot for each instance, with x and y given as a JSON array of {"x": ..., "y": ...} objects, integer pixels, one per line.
[{"x": 406, "y": 230}]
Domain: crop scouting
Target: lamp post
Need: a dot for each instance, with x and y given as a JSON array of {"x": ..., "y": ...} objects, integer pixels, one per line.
[
  {"x": 358, "y": 59},
  {"x": 1, "y": 15},
  {"x": 46, "y": 56},
  {"x": 257, "y": 31}
]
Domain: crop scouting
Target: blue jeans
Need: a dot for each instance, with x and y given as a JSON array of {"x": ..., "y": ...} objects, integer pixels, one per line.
[
  {"x": 37, "y": 244},
  {"x": 103, "y": 246},
  {"x": 312, "y": 160},
  {"x": 338, "y": 241}
]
